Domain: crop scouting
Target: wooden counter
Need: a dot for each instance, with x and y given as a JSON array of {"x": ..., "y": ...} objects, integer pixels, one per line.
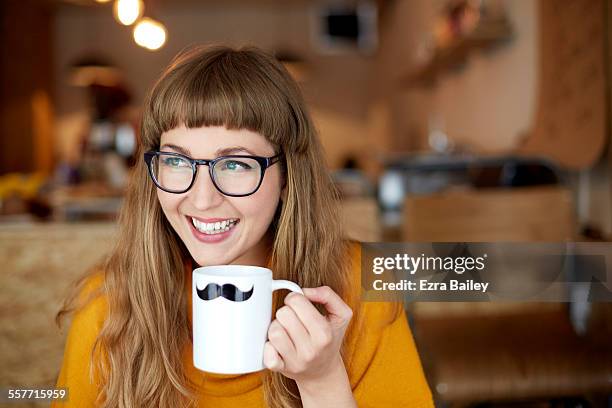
[{"x": 40, "y": 261}]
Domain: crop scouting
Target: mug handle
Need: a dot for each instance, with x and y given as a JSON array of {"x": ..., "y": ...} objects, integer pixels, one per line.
[{"x": 285, "y": 284}]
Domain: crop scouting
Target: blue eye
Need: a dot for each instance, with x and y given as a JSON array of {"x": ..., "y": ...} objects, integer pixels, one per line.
[
  {"x": 175, "y": 162},
  {"x": 235, "y": 165}
]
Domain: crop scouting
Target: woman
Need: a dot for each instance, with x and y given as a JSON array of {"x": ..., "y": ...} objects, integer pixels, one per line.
[{"x": 266, "y": 199}]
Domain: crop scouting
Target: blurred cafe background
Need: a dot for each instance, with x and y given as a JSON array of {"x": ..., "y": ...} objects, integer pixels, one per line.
[{"x": 442, "y": 120}]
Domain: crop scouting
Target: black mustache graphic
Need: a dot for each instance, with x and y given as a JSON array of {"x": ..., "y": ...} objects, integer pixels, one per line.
[{"x": 228, "y": 291}]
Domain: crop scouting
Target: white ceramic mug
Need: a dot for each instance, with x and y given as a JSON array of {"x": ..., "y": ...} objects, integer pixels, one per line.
[{"x": 232, "y": 311}]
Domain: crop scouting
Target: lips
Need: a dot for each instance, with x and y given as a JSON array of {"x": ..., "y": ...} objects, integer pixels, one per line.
[{"x": 212, "y": 230}]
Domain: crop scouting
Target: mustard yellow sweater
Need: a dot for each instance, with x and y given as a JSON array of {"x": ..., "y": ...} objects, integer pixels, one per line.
[{"x": 382, "y": 362}]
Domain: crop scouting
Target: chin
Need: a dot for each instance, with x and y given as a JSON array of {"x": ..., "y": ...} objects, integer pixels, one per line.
[{"x": 210, "y": 259}]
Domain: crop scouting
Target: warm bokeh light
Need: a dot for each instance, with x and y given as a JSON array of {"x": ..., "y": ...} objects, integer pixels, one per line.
[
  {"x": 102, "y": 1},
  {"x": 128, "y": 11},
  {"x": 150, "y": 34}
]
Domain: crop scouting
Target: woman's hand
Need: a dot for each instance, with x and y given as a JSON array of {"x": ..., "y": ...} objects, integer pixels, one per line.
[{"x": 305, "y": 345}]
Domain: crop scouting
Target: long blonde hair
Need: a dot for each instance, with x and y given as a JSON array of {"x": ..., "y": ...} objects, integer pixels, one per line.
[{"x": 147, "y": 325}]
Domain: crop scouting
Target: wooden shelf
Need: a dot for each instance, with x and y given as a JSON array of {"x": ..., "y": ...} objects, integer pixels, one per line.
[{"x": 485, "y": 36}]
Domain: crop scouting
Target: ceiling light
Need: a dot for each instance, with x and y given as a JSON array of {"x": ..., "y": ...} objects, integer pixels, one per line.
[
  {"x": 150, "y": 34},
  {"x": 128, "y": 11}
]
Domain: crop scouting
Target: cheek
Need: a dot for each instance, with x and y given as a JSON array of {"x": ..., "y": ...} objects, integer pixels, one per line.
[
  {"x": 260, "y": 207},
  {"x": 255, "y": 207},
  {"x": 168, "y": 202}
]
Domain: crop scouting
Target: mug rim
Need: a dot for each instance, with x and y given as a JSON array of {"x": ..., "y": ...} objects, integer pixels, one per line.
[{"x": 232, "y": 271}]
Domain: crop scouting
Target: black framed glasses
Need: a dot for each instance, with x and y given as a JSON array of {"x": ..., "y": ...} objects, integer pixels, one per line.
[{"x": 234, "y": 175}]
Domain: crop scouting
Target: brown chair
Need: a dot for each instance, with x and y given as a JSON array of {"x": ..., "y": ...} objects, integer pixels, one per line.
[{"x": 484, "y": 352}]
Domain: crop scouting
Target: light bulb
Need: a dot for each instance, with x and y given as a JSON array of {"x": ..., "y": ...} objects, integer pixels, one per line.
[
  {"x": 150, "y": 34},
  {"x": 128, "y": 11}
]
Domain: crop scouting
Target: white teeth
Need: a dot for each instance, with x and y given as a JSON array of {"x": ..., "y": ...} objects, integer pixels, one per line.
[{"x": 214, "y": 227}]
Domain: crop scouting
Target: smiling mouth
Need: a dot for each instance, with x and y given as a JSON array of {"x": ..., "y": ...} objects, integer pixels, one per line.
[{"x": 212, "y": 228}]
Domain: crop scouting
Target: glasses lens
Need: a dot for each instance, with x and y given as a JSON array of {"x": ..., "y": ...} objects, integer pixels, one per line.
[
  {"x": 172, "y": 173},
  {"x": 237, "y": 175}
]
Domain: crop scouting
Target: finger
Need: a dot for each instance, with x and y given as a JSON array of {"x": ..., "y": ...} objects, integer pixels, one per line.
[
  {"x": 317, "y": 325},
  {"x": 278, "y": 336},
  {"x": 271, "y": 359},
  {"x": 292, "y": 324},
  {"x": 308, "y": 314},
  {"x": 335, "y": 306}
]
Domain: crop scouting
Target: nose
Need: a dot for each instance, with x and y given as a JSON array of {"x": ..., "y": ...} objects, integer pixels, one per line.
[{"x": 203, "y": 194}]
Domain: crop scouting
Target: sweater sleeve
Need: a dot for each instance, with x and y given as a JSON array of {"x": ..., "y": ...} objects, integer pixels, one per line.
[
  {"x": 384, "y": 367},
  {"x": 74, "y": 373}
]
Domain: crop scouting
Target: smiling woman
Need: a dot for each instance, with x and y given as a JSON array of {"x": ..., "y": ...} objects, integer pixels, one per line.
[
  {"x": 266, "y": 200},
  {"x": 214, "y": 207}
]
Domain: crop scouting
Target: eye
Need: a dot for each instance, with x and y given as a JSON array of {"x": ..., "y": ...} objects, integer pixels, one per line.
[
  {"x": 234, "y": 165},
  {"x": 175, "y": 162}
]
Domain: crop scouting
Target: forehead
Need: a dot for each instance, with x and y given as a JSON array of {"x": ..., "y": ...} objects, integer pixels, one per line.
[{"x": 205, "y": 141}]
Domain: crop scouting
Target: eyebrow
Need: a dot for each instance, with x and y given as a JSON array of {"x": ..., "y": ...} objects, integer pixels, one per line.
[{"x": 220, "y": 152}]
